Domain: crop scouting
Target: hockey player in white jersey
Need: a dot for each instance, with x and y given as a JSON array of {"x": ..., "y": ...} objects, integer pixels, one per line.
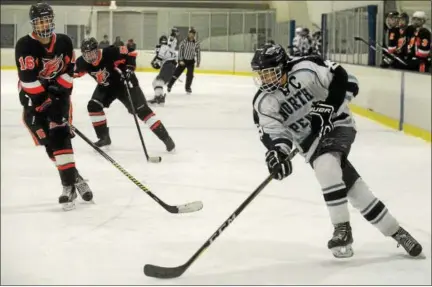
[
  {"x": 172, "y": 39},
  {"x": 305, "y": 97},
  {"x": 296, "y": 41},
  {"x": 165, "y": 60}
]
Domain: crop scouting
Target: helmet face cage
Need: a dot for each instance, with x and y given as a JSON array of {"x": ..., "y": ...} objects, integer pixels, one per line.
[
  {"x": 417, "y": 21},
  {"x": 392, "y": 21},
  {"x": 90, "y": 56},
  {"x": 43, "y": 26},
  {"x": 268, "y": 79}
]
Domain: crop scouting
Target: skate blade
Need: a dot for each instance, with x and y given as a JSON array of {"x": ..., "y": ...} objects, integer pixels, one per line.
[
  {"x": 68, "y": 206},
  {"x": 343, "y": 251}
]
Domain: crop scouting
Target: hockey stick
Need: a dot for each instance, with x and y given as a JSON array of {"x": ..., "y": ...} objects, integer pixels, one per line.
[
  {"x": 184, "y": 208},
  {"x": 382, "y": 48},
  {"x": 153, "y": 159},
  {"x": 174, "y": 272}
]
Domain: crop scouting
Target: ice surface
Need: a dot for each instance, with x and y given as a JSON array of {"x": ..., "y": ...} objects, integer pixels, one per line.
[{"x": 279, "y": 239}]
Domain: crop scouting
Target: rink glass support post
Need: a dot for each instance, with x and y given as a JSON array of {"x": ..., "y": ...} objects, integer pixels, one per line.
[
  {"x": 372, "y": 24},
  {"x": 292, "y": 27},
  {"x": 324, "y": 35},
  {"x": 402, "y": 102}
]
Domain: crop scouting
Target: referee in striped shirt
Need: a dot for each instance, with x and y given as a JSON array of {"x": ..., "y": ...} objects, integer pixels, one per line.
[{"x": 189, "y": 48}]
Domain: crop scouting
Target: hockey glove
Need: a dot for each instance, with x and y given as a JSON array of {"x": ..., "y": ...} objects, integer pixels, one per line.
[
  {"x": 156, "y": 64},
  {"x": 321, "y": 121},
  {"x": 278, "y": 164}
]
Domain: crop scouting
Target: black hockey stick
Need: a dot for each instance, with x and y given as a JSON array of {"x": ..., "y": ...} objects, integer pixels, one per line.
[
  {"x": 153, "y": 159},
  {"x": 382, "y": 48},
  {"x": 184, "y": 208},
  {"x": 174, "y": 272}
]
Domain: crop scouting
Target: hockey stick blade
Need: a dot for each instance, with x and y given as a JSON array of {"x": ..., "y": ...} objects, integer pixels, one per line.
[
  {"x": 164, "y": 272},
  {"x": 184, "y": 208},
  {"x": 155, "y": 159}
]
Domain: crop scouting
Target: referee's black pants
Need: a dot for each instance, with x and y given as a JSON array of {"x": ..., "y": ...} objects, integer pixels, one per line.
[{"x": 190, "y": 66}]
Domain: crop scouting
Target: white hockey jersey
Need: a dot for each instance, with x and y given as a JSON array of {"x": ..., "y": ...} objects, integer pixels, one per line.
[
  {"x": 282, "y": 116},
  {"x": 302, "y": 46},
  {"x": 172, "y": 42},
  {"x": 165, "y": 53}
]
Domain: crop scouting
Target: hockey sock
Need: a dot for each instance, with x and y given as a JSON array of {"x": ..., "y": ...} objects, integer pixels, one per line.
[
  {"x": 372, "y": 209},
  {"x": 328, "y": 172}
]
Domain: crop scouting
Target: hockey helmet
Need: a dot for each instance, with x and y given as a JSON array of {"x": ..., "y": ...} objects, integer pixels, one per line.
[
  {"x": 298, "y": 30},
  {"x": 174, "y": 32},
  {"x": 268, "y": 63},
  {"x": 403, "y": 19},
  {"x": 89, "y": 50},
  {"x": 42, "y": 19},
  {"x": 418, "y": 18},
  {"x": 392, "y": 19},
  {"x": 163, "y": 40}
]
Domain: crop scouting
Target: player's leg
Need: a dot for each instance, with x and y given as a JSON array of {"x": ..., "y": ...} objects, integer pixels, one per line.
[
  {"x": 375, "y": 211},
  {"x": 190, "y": 64},
  {"x": 327, "y": 161},
  {"x": 177, "y": 72},
  {"x": 165, "y": 74},
  {"x": 146, "y": 114},
  {"x": 95, "y": 107}
]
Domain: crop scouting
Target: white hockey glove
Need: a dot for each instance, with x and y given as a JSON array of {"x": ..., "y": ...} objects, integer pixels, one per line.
[{"x": 278, "y": 164}]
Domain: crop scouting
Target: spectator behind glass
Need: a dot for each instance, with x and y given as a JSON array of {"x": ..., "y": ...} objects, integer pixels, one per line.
[
  {"x": 118, "y": 42},
  {"x": 104, "y": 43},
  {"x": 131, "y": 45}
]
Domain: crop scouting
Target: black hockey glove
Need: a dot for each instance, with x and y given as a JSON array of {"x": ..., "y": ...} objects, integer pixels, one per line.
[
  {"x": 156, "y": 63},
  {"x": 321, "y": 121},
  {"x": 278, "y": 164}
]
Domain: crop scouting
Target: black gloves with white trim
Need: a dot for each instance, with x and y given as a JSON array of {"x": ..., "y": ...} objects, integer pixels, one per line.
[{"x": 278, "y": 163}]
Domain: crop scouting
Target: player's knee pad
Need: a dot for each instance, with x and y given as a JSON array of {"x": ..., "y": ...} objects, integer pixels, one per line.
[
  {"x": 144, "y": 112},
  {"x": 94, "y": 106},
  {"x": 328, "y": 169}
]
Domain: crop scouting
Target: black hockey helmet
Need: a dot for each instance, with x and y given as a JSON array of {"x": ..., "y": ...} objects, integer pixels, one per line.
[
  {"x": 163, "y": 40},
  {"x": 89, "y": 50},
  {"x": 392, "y": 19},
  {"x": 42, "y": 19},
  {"x": 192, "y": 30},
  {"x": 403, "y": 19},
  {"x": 269, "y": 62},
  {"x": 270, "y": 42},
  {"x": 305, "y": 32},
  {"x": 174, "y": 32}
]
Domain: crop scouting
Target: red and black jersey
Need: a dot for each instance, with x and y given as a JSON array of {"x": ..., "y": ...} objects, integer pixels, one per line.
[
  {"x": 393, "y": 37},
  {"x": 419, "y": 44},
  {"x": 104, "y": 69},
  {"x": 402, "y": 45},
  {"x": 42, "y": 65}
]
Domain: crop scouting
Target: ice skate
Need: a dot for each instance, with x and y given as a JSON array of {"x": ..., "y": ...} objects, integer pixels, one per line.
[
  {"x": 169, "y": 143},
  {"x": 340, "y": 244},
  {"x": 404, "y": 239},
  {"x": 159, "y": 100},
  {"x": 188, "y": 91},
  {"x": 83, "y": 188},
  {"x": 103, "y": 141},
  {"x": 67, "y": 197}
]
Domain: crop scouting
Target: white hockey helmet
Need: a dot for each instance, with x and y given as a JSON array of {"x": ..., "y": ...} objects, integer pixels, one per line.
[
  {"x": 418, "y": 18},
  {"x": 298, "y": 30}
]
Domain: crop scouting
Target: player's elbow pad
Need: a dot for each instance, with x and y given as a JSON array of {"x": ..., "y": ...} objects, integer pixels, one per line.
[{"x": 338, "y": 88}]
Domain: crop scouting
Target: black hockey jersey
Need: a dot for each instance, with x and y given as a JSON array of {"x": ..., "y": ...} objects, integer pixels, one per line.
[
  {"x": 419, "y": 43},
  {"x": 393, "y": 37},
  {"x": 40, "y": 66},
  {"x": 402, "y": 44},
  {"x": 104, "y": 70}
]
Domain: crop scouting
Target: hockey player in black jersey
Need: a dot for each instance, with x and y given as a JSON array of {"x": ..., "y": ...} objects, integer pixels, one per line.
[
  {"x": 102, "y": 65},
  {"x": 419, "y": 43},
  {"x": 308, "y": 97},
  {"x": 45, "y": 62}
]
